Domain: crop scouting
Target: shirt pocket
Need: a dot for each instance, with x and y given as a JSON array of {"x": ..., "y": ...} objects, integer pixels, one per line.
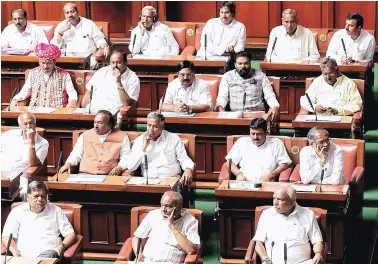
[
  {"x": 169, "y": 156},
  {"x": 361, "y": 51},
  {"x": 236, "y": 91},
  {"x": 295, "y": 232}
]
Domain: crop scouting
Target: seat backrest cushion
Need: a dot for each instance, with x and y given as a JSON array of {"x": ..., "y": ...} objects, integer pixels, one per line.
[
  {"x": 197, "y": 43},
  {"x": 180, "y": 35}
]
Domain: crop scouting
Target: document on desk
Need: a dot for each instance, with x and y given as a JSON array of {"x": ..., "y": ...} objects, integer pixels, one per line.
[
  {"x": 213, "y": 58},
  {"x": 304, "y": 188},
  {"x": 148, "y": 57},
  {"x": 84, "y": 177},
  {"x": 242, "y": 185},
  {"x": 142, "y": 181},
  {"x": 42, "y": 110},
  {"x": 235, "y": 114},
  {"x": 20, "y": 260},
  {"x": 94, "y": 110},
  {"x": 176, "y": 114},
  {"x": 324, "y": 118},
  {"x": 13, "y": 51}
]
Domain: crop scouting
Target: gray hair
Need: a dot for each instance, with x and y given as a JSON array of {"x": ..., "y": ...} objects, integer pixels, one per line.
[
  {"x": 150, "y": 8},
  {"x": 291, "y": 192},
  {"x": 177, "y": 197},
  {"x": 157, "y": 116},
  {"x": 290, "y": 11},
  {"x": 37, "y": 185},
  {"x": 24, "y": 114},
  {"x": 328, "y": 62},
  {"x": 314, "y": 132}
]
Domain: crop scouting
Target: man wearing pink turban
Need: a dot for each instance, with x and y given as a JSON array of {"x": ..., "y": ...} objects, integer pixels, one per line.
[{"x": 47, "y": 85}]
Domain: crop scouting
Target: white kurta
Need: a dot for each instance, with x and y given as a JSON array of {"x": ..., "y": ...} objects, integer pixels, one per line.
[{"x": 33, "y": 35}]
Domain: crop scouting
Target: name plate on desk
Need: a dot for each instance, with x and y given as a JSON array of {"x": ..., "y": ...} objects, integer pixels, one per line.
[
  {"x": 176, "y": 114},
  {"x": 235, "y": 114},
  {"x": 212, "y": 58},
  {"x": 243, "y": 185},
  {"x": 83, "y": 177},
  {"x": 324, "y": 118},
  {"x": 148, "y": 57},
  {"x": 142, "y": 181},
  {"x": 304, "y": 188}
]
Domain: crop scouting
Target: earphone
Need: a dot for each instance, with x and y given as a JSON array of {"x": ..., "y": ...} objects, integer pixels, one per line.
[{"x": 155, "y": 18}]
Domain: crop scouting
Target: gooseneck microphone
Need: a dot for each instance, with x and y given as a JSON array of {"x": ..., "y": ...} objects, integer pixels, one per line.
[
  {"x": 59, "y": 165},
  {"x": 162, "y": 100},
  {"x": 90, "y": 100},
  {"x": 205, "y": 45},
  {"x": 285, "y": 253},
  {"x": 11, "y": 98},
  {"x": 346, "y": 55},
  {"x": 312, "y": 106},
  {"x": 146, "y": 167},
  {"x": 321, "y": 179},
  {"x": 244, "y": 99},
  {"x": 252, "y": 251},
  {"x": 274, "y": 45},
  {"x": 271, "y": 253},
  {"x": 138, "y": 248},
  {"x": 133, "y": 45},
  {"x": 7, "y": 248},
  {"x": 229, "y": 173}
]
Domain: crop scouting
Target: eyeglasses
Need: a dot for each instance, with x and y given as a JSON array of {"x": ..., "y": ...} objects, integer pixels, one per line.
[{"x": 183, "y": 75}]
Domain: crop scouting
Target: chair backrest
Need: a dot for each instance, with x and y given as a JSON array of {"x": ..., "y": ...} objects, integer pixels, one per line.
[
  {"x": 179, "y": 32},
  {"x": 198, "y": 33},
  {"x": 320, "y": 35},
  {"x": 138, "y": 214},
  {"x": 72, "y": 211}
]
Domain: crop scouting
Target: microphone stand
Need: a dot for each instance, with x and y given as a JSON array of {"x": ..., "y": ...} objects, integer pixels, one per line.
[
  {"x": 285, "y": 253},
  {"x": 229, "y": 173},
  {"x": 205, "y": 46},
  {"x": 90, "y": 100},
  {"x": 146, "y": 168},
  {"x": 7, "y": 248},
  {"x": 321, "y": 179},
  {"x": 11, "y": 98},
  {"x": 59, "y": 165}
]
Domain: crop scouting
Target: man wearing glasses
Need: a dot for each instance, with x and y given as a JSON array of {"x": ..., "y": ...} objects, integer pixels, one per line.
[
  {"x": 187, "y": 93},
  {"x": 321, "y": 157}
]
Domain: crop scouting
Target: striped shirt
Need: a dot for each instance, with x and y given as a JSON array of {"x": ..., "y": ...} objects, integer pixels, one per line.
[
  {"x": 257, "y": 89},
  {"x": 162, "y": 245}
]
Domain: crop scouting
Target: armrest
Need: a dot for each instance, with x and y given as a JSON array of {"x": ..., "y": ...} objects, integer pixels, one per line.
[
  {"x": 295, "y": 174},
  {"x": 126, "y": 252},
  {"x": 70, "y": 253},
  {"x": 223, "y": 175},
  {"x": 248, "y": 253},
  {"x": 285, "y": 175},
  {"x": 188, "y": 51},
  {"x": 192, "y": 259},
  {"x": 99, "y": 55},
  {"x": 79, "y": 99},
  {"x": 303, "y": 111},
  {"x": 357, "y": 117},
  {"x": 3, "y": 248},
  {"x": 357, "y": 175},
  {"x": 35, "y": 173}
]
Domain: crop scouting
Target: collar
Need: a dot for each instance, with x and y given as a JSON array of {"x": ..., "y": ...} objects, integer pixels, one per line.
[
  {"x": 27, "y": 29},
  {"x": 293, "y": 213},
  {"x": 338, "y": 80},
  {"x": 163, "y": 136},
  {"x": 78, "y": 24},
  {"x": 220, "y": 23},
  {"x": 190, "y": 87},
  {"x": 26, "y": 207},
  {"x": 267, "y": 141},
  {"x": 105, "y": 135},
  {"x": 294, "y": 35}
]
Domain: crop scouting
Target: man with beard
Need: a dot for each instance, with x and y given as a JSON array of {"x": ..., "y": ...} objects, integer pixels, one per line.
[
  {"x": 113, "y": 86},
  {"x": 245, "y": 89},
  {"x": 359, "y": 43},
  {"x": 187, "y": 93},
  {"x": 99, "y": 150},
  {"x": 47, "y": 85},
  {"x": 332, "y": 93},
  {"x": 22, "y": 34},
  {"x": 321, "y": 157},
  {"x": 79, "y": 34},
  {"x": 36, "y": 226}
]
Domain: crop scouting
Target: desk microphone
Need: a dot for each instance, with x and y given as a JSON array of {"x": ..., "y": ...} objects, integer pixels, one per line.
[
  {"x": 244, "y": 99},
  {"x": 285, "y": 253},
  {"x": 271, "y": 253},
  {"x": 342, "y": 42},
  {"x": 229, "y": 173},
  {"x": 274, "y": 45},
  {"x": 11, "y": 98},
  {"x": 59, "y": 165},
  {"x": 321, "y": 179},
  {"x": 162, "y": 100},
  {"x": 137, "y": 253},
  {"x": 7, "y": 248},
  {"x": 146, "y": 167},
  {"x": 90, "y": 100},
  {"x": 312, "y": 106},
  {"x": 133, "y": 46},
  {"x": 64, "y": 46},
  {"x": 252, "y": 251},
  {"x": 205, "y": 45}
]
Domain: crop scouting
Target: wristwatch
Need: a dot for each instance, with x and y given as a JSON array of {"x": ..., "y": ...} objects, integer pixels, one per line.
[{"x": 64, "y": 247}]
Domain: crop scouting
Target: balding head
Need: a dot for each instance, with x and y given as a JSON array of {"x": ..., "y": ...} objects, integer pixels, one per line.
[
  {"x": 171, "y": 201},
  {"x": 26, "y": 121},
  {"x": 70, "y": 5},
  {"x": 71, "y": 13},
  {"x": 284, "y": 200}
]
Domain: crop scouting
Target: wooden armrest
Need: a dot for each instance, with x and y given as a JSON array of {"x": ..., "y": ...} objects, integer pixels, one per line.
[
  {"x": 99, "y": 55},
  {"x": 285, "y": 175},
  {"x": 192, "y": 259},
  {"x": 3, "y": 248},
  {"x": 223, "y": 175},
  {"x": 357, "y": 175},
  {"x": 188, "y": 51},
  {"x": 248, "y": 253},
  {"x": 303, "y": 111},
  {"x": 294, "y": 177},
  {"x": 79, "y": 99},
  {"x": 357, "y": 117},
  {"x": 70, "y": 253},
  {"x": 35, "y": 173},
  {"x": 126, "y": 252}
]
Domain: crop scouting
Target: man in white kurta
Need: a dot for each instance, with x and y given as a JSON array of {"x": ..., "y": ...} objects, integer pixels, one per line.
[
  {"x": 320, "y": 157},
  {"x": 332, "y": 93},
  {"x": 187, "y": 93},
  {"x": 224, "y": 34},
  {"x": 294, "y": 42},
  {"x": 259, "y": 158},
  {"x": 288, "y": 223},
  {"x": 359, "y": 44},
  {"x": 22, "y": 34},
  {"x": 151, "y": 37}
]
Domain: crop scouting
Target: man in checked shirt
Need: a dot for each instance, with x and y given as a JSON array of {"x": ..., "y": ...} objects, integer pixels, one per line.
[{"x": 246, "y": 89}]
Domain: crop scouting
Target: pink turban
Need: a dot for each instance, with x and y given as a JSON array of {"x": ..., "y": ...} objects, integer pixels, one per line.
[{"x": 47, "y": 51}]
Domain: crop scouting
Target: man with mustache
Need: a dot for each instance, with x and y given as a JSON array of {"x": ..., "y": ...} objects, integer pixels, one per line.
[
  {"x": 359, "y": 44},
  {"x": 322, "y": 156},
  {"x": 79, "y": 34},
  {"x": 22, "y": 34},
  {"x": 332, "y": 93},
  {"x": 114, "y": 85},
  {"x": 246, "y": 82},
  {"x": 99, "y": 150},
  {"x": 187, "y": 93},
  {"x": 294, "y": 42},
  {"x": 223, "y": 34},
  {"x": 152, "y": 37}
]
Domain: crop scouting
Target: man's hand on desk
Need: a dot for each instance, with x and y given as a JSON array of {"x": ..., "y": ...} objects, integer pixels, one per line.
[
  {"x": 71, "y": 104},
  {"x": 331, "y": 111},
  {"x": 230, "y": 48},
  {"x": 348, "y": 61},
  {"x": 272, "y": 113},
  {"x": 65, "y": 167},
  {"x": 187, "y": 177},
  {"x": 180, "y": 107},
  {"x": 116, "y": 171},
  {"x": 318, "y": 258},
  {"x": 319, "y": 109},
  {"x": 14, "y": 103},
  {"x": 240, "y": 177},
  {"x": 220, "y": 108}
]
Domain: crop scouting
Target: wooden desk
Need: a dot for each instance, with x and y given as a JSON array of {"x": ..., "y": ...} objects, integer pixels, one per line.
[
  {"x": 16, "y": 260},
  {"x": 153, "y": 75},
  {"x": 107, "y": 207},
  {"x": 237, "y": 216},
  {"x": 293, "y": 77},
  {"x": 340, "y": 129},
  {"x": 211, "y": 138},
  {"x": 10, "y": 184}
]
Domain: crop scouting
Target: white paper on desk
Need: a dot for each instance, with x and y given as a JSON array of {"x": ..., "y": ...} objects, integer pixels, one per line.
[
  {"x": 112, "y": 110},
  {"x": 84, "y": 177},
  {"x": 149, "y": 57},
  {"x": 20, "y": 260},
  {"x": 304, "y": 188},
  {"x": 177, "y": 114},
  {"x": 143, "y": 181},
  {"x": 80, "y": 111},
  {"x": 242, "y": 185},
  {"x": 213, "y": 58},
  {"x": 42, "y": 110},
  {"x": 235, "y": 114},
  {"x": 325, "y": 118}
]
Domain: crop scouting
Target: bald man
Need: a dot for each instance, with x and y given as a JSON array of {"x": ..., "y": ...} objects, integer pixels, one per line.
[
  {"x": 172, "y": 232},
  {"x": 23, "y": 147}
]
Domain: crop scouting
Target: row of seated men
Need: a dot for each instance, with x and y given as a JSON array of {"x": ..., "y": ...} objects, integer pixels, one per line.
[
  {"x": 40, "y": 229},
  {"x": 220, "y": 36}
]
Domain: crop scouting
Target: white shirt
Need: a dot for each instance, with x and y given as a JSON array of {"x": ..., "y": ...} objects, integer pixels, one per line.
[
  {"x": 310, "y": 169},
  {"x": 158, "y": 41},
  {"x": 196, "y": 94},
  {"x": 362, "y": 49},
  {"x": 300, "y": 46},
  {"x": 27, "y": 90},
  {"x": 164, "y": 156},
  {"x": 33, "y": 35},
  {"x": 105, "y": 93},
  {"x": 37, "y": 232},
  {"x": 162, "y": 245},
  {"x": 256, "y": 162},
  {"x": 78, "y": 151},
  {"x": 296, "y": 230},
  {"x": 220, "y": 36},
  {"x": 86, "y": 37},
  {"x": 343, "y": 95}
]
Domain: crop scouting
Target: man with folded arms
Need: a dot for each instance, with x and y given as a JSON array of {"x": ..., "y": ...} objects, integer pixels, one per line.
[
  {"x": 172, "y": 232},
  {"x": 99, "y": 150},
  {"x": 321, "y": 157},
  {"x": 259, "y": 157},
  {"x": 22, "y": 34},
  {"x": 47, "y": 85},
  {"x": 332, "y": 93},
  {"x": 37, "y": 226},
  {"x": 166, "y": 153},
  {"x": 187, "y": 93}
]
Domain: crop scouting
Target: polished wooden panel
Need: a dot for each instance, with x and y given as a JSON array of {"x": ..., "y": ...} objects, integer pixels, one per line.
[
  {"x": 121, "y": 226},
  {"x": 6, "y": 10},
  {"x": 275, "y": 12},
  {"x": 257, "y": 26},
  {"x": 53, "y": 10},
  {"x": 9, "y": 82},
  {"x": 191, "y": 11},
  {"x": 308, "y": 12}
]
